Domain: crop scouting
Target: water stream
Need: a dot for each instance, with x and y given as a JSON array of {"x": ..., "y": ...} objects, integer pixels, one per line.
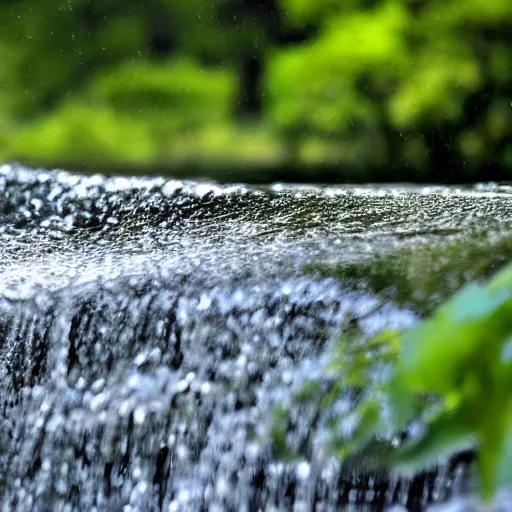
[{"x": 149, "y": 326}]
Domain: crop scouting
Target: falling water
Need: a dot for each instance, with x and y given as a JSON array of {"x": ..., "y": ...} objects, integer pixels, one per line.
[{"x": 149, "y": 327}]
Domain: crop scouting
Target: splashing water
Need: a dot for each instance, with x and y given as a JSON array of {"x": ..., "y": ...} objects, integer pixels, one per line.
[{"x": 148, "y": 328}]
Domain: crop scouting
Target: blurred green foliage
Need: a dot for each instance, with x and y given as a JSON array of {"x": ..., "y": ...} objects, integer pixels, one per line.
[
  {"x": 421, "y": 88},
  {"x": 452, "y": 370},
  {"x": 421, "y": 395}
]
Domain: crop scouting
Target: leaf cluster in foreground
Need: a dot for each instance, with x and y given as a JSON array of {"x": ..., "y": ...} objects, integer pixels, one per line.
[{"x": 451, "y": 374}]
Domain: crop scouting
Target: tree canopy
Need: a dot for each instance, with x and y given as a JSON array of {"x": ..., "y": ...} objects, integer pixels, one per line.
[{"x": 420, "y": 89}]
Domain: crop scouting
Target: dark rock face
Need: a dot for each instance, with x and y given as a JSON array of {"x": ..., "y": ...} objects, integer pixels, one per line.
[{"x": 148, "y": 328}]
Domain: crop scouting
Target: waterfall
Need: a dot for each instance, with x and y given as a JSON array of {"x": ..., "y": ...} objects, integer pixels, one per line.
[{"x": 148, "y": 328}]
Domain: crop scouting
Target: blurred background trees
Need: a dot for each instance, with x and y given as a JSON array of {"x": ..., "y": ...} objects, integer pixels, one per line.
[{"x": 258, "y": 89}]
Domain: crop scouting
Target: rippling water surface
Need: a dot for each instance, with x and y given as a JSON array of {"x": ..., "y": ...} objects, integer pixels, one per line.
[{"x": 148, "y": 327}]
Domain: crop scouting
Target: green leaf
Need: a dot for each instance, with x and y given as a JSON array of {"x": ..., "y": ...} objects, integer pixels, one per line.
[
  {"x": 494, "y": 428},
  {"x": 278, "y": 431},
  {"x": 404, "y": 403},
  {"x": 367, "y": 425},
  {"x": 447, "y": 433},
  {"x": 474, "y": 302},
  {"x": 504, "y": 464},
  {"x": 438, "y": 349},
  {"x": 503, "y": 279}
]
